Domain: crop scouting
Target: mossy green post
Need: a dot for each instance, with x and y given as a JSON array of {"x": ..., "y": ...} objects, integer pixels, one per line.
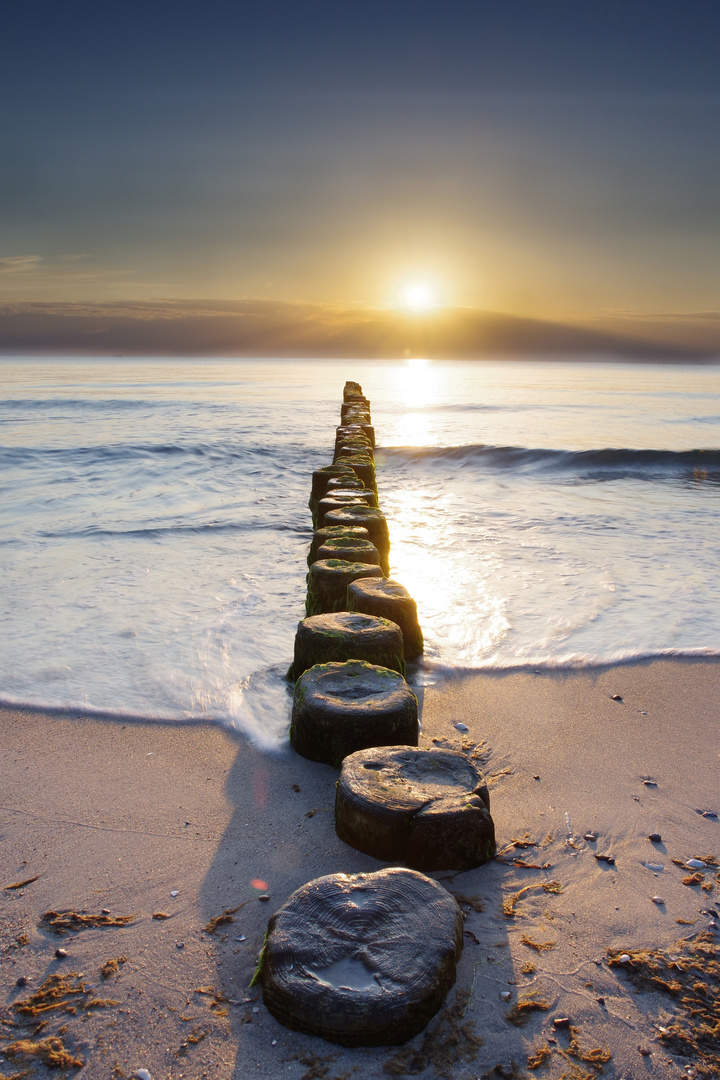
[
  {"x": 330, "y": 532},
  {"x": 371, "y": 519},
  {"x": 342, "y": 636},
  {"x": 341, "y": 708},
  {"x": 328, "y": 581}
]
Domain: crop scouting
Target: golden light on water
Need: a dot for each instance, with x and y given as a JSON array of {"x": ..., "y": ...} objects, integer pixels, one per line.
[{"x": 437, "y": 573}]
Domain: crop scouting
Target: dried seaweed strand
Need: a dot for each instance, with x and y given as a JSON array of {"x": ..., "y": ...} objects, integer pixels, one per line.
[
  {"x": 50, "y": 1051},
  {"x": 62, "y": 922},
  {"x": 519, "y": 1014},
  {"x": 510, "y": 902},
  {"x": 22, "y": 884},
  {"x": 538, "y": 946},
  {"x": 224, "y": 918}
]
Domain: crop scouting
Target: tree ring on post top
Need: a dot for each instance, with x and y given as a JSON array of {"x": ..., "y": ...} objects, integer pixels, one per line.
[
  {"x": 429, "y": 809},
  {"x": 362, "y": 959},
  {"x": 342, "y": 636},
  {"x": 328, "y": 581},
  {"x": 341, "y": 708},
  {"x": 392, "y": 601}
]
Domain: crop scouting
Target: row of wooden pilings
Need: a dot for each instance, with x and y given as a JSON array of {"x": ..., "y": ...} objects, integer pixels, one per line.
[
  {"x": 356, "y": 615},
  {"x": 367, "y": 959}
]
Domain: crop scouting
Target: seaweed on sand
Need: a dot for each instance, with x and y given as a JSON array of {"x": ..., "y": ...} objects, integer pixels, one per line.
[
  {"x": 451, "y": 1041},
  {"x": 596, "y": 1057},
  {"x": 223, "y": 919},
  {"x": 51, "y": 1051},
  {"x": 538, "y": 946},
  {"x": 510, "y": 902},
  {"x": 59, "y": 993},
  {"x": 519, "y": 1014},
  {"x": 111, "y": 968},
  {"x": 540, "y": 1057},
  {"x": 62, "y": 922},
  {"x": 690, "y": 974}
]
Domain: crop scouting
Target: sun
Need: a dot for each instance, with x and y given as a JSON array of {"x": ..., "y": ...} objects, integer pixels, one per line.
[{"x": 418, "y": 296}]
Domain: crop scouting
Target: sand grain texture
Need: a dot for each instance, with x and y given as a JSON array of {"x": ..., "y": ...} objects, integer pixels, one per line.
[{"x": 118, "y": 816}]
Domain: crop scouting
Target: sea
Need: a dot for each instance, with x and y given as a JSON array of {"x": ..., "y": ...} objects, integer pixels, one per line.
[{"x": 154, "y": 524}]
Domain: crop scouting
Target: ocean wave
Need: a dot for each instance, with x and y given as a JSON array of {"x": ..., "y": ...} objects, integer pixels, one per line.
[
  {"x": 152, "y": 532},
  {"x": 589, "y": 465},
  {"x": 427, "y": 672},
  {"x": 92, "y": 404},
  {"x": 127, "y": 452}
]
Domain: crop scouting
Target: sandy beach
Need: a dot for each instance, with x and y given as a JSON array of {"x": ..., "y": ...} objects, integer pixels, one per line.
[{"x": 190, "y": 821}]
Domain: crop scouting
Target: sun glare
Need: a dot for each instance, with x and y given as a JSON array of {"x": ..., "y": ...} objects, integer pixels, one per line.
[{"x": 418, "y": 296}]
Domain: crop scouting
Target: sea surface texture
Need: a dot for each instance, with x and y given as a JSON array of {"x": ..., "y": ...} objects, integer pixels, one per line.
[{"x": 154, "y": 523}]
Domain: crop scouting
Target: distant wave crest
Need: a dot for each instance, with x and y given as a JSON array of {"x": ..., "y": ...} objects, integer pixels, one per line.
[{"x": 607, "y": 464}]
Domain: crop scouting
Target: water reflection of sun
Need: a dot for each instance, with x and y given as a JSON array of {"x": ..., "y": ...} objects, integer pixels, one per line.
[
  {"x": 419, "y": 384},
  {"x": 464, "y": 616}
]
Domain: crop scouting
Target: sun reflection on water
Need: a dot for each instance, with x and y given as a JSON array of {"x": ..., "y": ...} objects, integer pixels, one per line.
[
  {"x": 449, "y": 581},
  {"x": 418, "y": 385}
]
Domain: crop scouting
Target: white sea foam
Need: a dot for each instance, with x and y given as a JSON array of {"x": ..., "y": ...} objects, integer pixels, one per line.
[{"x": 154, "y": 522}]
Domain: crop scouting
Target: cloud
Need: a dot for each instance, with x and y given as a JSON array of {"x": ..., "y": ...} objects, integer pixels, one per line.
[
  {"x": 19, "y": 264},
  {"x": 284, "y": 329}
]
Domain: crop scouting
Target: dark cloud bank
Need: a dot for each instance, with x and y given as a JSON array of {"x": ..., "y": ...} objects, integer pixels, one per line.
[{"x": 269, "y": 328}]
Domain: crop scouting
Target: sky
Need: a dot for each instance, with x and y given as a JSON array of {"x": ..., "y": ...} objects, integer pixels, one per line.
[{"x": 537, "y": 160}]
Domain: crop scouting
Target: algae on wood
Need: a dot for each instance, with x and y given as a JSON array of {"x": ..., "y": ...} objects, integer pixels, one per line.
[
  {"x": 344, "y": 636},
  {"x": 328, "y": 581},
  {"x": 341, "y": 708}
]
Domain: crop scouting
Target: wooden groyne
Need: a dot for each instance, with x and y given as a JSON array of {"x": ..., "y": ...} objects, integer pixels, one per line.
[{"x": 367, "y": 959}]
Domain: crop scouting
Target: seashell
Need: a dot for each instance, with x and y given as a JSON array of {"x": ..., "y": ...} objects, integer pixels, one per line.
[
  {"x": 461, "y": 727},
  {"x": 561, "y": 1022},
  {"x": 143, "y": 1074},
  {"x": 505, "y": 995},
  {"x": 656, "y": 867},
  {"x": 624, "y": 958},
  {"x": 591, "y": 837},
  {"x": 175, "y": 892},
  {"x": 657, "y": 900},
  {"x": 696, "y": 864}
]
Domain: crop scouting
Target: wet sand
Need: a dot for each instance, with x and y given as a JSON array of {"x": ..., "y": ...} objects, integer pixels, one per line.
[{"x": 120, "y": 815}]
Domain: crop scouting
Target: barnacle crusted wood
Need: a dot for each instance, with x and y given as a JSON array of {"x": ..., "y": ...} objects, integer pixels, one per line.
[
  {"x": 362, "y": 959},
  {"x": 429, "y": 809},
  {"x": 341, "y": 708}
]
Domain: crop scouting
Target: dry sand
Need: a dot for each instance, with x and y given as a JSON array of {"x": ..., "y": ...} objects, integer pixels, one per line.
[{"x": 120, "y": 815}]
